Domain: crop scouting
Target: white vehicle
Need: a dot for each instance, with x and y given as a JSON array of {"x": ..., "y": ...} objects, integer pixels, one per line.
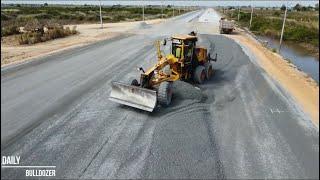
[{"x": 226, "y": 26}]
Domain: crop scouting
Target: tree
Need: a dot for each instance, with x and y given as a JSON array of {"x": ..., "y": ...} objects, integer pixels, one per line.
[
  {"x": 283, "y": 7},
  {"x": 45, "y": 4},
  {"x": 316, "y": 7},
  {"x": 297, "y": 7},
  {"x": 304, "y": 8}
]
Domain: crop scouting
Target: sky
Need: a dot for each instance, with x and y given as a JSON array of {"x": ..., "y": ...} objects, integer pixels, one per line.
[{"x": 256, "y": 3}]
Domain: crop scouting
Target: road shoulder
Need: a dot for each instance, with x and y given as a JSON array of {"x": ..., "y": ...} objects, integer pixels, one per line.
[
  {"x": 14, "y": 54},
  {"x": 299, "y": 85}
]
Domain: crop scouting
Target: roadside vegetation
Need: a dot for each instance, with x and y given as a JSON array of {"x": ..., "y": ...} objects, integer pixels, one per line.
[
  {"x": 15, "y": 16},
  {"x": 302, "y": 23},
  {"x": 32, "y": 37}
]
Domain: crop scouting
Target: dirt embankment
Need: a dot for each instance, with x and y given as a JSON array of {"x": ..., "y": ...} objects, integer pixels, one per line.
[
  {"x": 13, "y": 53},
  {"x": 303, "y": 88}
]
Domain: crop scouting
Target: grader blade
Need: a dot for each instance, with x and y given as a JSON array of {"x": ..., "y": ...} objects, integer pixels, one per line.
[{"x": 133, "y": 96}]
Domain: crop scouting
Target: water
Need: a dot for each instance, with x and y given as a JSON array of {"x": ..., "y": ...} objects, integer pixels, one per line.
[{"x": 305, "y": 61}]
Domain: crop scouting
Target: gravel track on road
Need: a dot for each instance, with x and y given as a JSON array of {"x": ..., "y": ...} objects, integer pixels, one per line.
[{"x": 239, "y": 124}]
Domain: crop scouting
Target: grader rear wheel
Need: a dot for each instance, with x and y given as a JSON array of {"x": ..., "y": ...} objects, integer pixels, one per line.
[
  {"x": 199, "y": 74},
  {"x": 209, "y": 70},
  {"x": 165, "y": 93}
]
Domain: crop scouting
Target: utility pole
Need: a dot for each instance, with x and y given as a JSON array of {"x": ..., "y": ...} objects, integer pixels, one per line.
[
  {"x": 238, "y": 13},
  {"x": 161, "y": 9},
  {"x": 142, "y": 10},
  {"x": 100, "y": 15},
  {"x": 172, "y": 10},
  {"x": 284, "y": 21},
  {"x": 251, "y": 17}
]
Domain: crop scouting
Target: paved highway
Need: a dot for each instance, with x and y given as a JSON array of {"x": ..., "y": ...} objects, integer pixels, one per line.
[{"x": 240, "y": 124}]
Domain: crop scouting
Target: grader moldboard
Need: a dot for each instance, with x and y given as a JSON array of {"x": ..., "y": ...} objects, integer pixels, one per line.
[{"x": 186, "y": 62}]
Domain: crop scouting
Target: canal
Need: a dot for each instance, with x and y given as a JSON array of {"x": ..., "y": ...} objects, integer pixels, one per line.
[{"x": 298, "y": 56}]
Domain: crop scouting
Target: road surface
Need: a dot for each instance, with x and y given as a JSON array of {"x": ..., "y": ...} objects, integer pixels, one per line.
[{"x": 240, "y": 124}]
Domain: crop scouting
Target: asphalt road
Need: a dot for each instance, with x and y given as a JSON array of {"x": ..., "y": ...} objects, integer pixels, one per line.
[{"x": 240, "y": 124}]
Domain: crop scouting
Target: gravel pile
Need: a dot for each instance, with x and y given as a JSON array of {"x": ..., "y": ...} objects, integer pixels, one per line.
[{"x": 186, "y": 91}]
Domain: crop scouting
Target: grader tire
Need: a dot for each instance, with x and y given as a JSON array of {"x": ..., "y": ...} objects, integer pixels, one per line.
[
  {"x": 209, "y": 70},
  {"x": 134, "y": 82},
  {"x": 199, "y": 74},
  {"x": 165, "y": 93}
]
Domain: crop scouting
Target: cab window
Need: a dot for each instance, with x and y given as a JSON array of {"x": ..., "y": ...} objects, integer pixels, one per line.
[{"x": 176, "y": 51}]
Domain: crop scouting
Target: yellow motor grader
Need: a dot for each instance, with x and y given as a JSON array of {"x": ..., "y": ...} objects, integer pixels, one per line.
[{"x": 186, "y": 62}]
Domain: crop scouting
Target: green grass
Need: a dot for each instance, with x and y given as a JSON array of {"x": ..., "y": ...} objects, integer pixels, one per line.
[
  {"x": 36, "y": 37},
  {"x": 15, "y": 16},
  {"x": 300, "y": 27}
]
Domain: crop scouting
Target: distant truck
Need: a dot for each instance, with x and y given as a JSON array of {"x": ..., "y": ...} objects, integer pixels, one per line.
[{"x": 226, "y": 26}]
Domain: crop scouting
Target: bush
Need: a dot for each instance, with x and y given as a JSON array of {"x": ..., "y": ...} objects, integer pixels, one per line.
[
  {"x": 22, "y": 39},
  {"x": 29, "y": 38},
  {"x": 36, "y": 37},
  {"x": 276, "y": 13},
  {"x": 9, "y": 30},
  {"x": 67, "y": 31},
  {"x": 74, "y": 31},
  {"x": 4, "y": 17}
]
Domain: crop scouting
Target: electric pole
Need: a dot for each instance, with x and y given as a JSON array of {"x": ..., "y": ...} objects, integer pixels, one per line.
[
  {"x": 251, "y": 17},
  {"x": 238, "y": 13},
  {"x": 100, "y": 15},
  {"x": 282, "y": 30},
  {"x": 172, "y": 10},
  {"x": 161, "y": 9},
  {"x": 142, "y": 10}
]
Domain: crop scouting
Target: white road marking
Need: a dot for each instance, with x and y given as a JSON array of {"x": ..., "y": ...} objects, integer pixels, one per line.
[{"x": 276, "y": 111}]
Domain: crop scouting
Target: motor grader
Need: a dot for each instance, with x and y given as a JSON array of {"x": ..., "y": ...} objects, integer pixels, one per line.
[{"x": 186, "y": 62}]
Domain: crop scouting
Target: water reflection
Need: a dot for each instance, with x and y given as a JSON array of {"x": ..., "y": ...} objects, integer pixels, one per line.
[{"x": 298, "y": 56}]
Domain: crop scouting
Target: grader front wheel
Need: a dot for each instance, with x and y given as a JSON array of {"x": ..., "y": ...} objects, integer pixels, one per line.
[
  {"x": 134, "y": 82},
  {"x": 165, "y": 93},
  {"x": 199, "y": 74}
]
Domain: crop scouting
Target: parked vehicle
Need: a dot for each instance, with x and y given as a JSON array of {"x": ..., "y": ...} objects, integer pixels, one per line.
[{"x": 226, "y": 26}]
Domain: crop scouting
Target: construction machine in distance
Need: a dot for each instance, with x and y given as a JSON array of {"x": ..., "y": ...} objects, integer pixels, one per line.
[
  {"x": 185, "y": 62},
  {"x": 226, "y": 26}
]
